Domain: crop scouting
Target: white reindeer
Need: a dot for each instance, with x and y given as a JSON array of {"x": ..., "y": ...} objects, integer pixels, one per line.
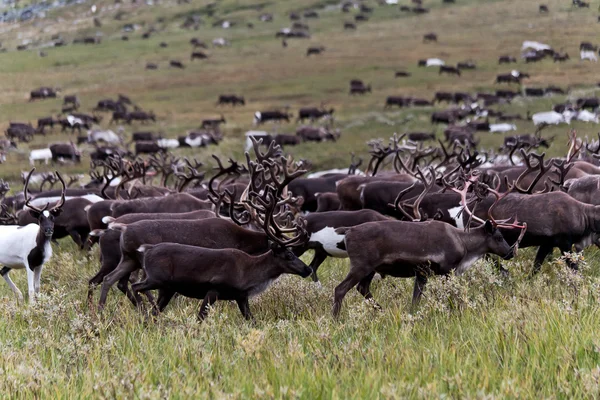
[
  {"x": 28, "y": 247},
  {"x": 588, "y": 55},
  {"x": 40, "y": 155}
]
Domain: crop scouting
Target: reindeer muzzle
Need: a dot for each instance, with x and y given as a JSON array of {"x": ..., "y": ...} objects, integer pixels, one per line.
[
  {"x": 306, "y": 272},
  {"x": 48, "y": 232}
]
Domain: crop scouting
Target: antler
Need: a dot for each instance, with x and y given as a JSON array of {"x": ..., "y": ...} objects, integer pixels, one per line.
[
  {"x": 575, "y": 145},
  {"x": 7, "y": 217},
  {"x": 164, "y": 162},
  {"x": 428, "y": 185},
  {"x": 379, "y": 153},
  {"x": 186, "y": 179},
  {"x": 131, "y": 171},
  {"x": 504, "y": 224},
  {"x": 267, "y": 204},
  {"x": 541, "y": 166},
  {"x": 28, "y": 199},
  {"x": 469, "y": 181}
]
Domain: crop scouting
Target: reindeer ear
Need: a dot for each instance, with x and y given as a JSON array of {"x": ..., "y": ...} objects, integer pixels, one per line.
[
  {"x": 34, "y": 214},
  {"x": 489, "y": 227}
]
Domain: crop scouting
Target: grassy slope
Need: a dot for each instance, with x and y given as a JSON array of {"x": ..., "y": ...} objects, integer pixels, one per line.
[{"x": 477, "y": 336}]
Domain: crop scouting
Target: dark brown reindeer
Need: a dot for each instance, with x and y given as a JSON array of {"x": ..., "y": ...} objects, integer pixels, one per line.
[
  {"x": 198, "y": 55},
  {"x": 430, "y": 37},
  {"x": 213, "y": 123},
  {"x": 406, "y": 249},
  {"x": 217, "y": 233},
  {"x": 224, "y": 274},
  {"x": 231, "y": 99},
  {"x": 315, "y": 50},
  {"x": 109, "y": 240},
  {"x": 449, "y": 70},
  {"x": 323, "y": 239}
]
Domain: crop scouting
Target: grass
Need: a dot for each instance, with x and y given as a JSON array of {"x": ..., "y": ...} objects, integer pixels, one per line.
[
  {"x": 477, "y": 335},
  {"x": 474, "y": 336}
]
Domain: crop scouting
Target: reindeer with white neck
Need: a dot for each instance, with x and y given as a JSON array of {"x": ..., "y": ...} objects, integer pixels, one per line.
[{"x": 28, "y": 247}]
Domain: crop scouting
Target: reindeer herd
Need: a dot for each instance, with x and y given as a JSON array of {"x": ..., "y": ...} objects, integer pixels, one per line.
[
  {"x": 417, "y": 211},
  {"x": 421, "y": 208}
]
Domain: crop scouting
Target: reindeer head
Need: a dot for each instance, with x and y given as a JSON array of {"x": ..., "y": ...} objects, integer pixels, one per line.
[
  {"x": 266, "y": 204},
  {"x": 45, "y": 216}
]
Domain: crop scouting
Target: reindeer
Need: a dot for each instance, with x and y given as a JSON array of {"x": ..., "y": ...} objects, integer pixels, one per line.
[
  {"x": 228, "y": 274},
  {"x": 449, "y": 70},
  {"x": 29, "y": 247},
  {"x": 223, "y": 234},
  {"x": 404, "y": 249},
  {"x": 213, "y": 123}
]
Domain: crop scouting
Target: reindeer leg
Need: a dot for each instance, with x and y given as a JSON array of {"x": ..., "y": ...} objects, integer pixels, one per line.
[
  {"x": 244, "y": 307},
  {"x": 541, "y": 255},
  {"x": 354, "y": 277},
  {"x": 123, "y": 286},
  {"x": 164, "y": 298},
  {"x": 123, "y": 270},
  {"x": 420, "y": 282},
  {"x": 319, "y": 257},
  {"x": 76, "y": 238},
  {"x": 209, "y": 300},
  {"x": 364, "y": 288}
]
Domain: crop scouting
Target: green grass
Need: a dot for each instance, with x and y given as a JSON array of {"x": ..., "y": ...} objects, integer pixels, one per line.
[
  {"x": 478, "y": 335},
  {"x": 474, "y": 336}
]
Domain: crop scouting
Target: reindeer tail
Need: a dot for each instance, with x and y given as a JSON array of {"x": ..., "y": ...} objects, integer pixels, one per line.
[
  {"x": 108, "y": 220},
  {"x": 98, "y": 232},
  {"x": 145, "y": 247},
  {"x": 116, "y": 226}
]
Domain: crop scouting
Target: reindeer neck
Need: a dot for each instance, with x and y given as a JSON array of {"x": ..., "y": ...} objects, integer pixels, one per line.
[
  {"x": 262, "y": 268},
  {"x": 474, "y": 241},
  {"x": 41, "y": 239},
  {"x": 592, "y": 217}
]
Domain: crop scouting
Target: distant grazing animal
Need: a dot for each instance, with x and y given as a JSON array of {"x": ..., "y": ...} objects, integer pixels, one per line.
[
  {"x": 399, "y": 101},
  {"x": 313, "y": 113},
  {"x": 588, "y": 56},
  {"x": 315, "y": 50},
  {"x": 587, "y": 46},
  {"x": 420, "y": 136},
  {"x": 231, "y": 99},
  {"x": 43, "y": 93},
  {"x": 317, "y": 134},
  {"x": 449, "y": 70},
  {"x": 349, "y": 26},
  {"x": 42, "y": 123},
  {"x": 506, "y": 60},
  {"x": 141, "y": 116},
  {"x": 543, "y": 8},
  {"x": 212, "y": 123},
  {"x": 198, "y": 55},
  {"x": 402, "y": 74},
  {"x": 466, "y": 65},
  {"x": 534, "y": 92},
  {"x": 558, "y": 57},
  {"x": 261, "y": 117},
  {"x": 176, "y": 64},
  {"x": 358, "y": 87},
  {"x": 430, "y": 37}
]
